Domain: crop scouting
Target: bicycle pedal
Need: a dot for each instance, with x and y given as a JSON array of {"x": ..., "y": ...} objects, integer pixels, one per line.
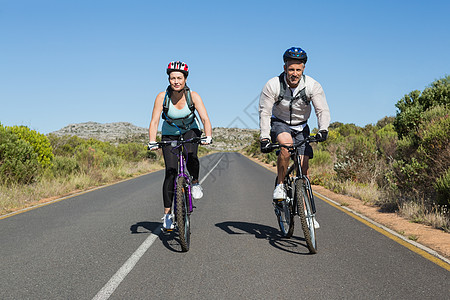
[
  {"x": 278, "y": 202},
  {"x": 277, "y": 211}
]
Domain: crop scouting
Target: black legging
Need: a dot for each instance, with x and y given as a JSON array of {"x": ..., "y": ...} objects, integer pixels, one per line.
[{"x": 171, "y": 161}]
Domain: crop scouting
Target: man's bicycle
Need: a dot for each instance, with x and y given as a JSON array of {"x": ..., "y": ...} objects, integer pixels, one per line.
[
  {"x": 299, "y": 198},
  {"x": 182, "y": 204}
]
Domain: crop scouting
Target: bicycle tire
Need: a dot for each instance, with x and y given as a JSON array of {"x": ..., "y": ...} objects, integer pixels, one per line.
[
  {"x": 285, "y": 216},
  {"x": 182, "y": 214},
  {"x": 306, "y": 220}
]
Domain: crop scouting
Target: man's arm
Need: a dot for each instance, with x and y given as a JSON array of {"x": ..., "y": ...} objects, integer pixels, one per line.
[
  {"x": 321, "y": 108},
  {"x": 266, "y": 101}
]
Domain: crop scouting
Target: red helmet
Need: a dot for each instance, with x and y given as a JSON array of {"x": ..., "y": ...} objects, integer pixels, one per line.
[{"x": 178, "y": 66}]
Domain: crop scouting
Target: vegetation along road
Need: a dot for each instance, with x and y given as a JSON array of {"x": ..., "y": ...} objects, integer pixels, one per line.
[{"x": 108, "y": 243}]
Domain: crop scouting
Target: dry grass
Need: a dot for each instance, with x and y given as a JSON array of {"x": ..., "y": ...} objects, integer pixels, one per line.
[
  {"x": 368, "y": 193},
  {"x": 437, "y": 218},
  {"x": 373, "y": 195},
  {"x": 17, "y": 197}
]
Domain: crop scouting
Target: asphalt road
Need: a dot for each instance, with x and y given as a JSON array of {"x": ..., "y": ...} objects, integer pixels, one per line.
[{"x": 107, "y": 243}]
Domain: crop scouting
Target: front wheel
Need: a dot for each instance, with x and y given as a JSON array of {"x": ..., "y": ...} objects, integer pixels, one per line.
[
  {"x": 284, "y": 212},
  {"x": 182, "y": 214},
  {"x": 305, "y": 213}
]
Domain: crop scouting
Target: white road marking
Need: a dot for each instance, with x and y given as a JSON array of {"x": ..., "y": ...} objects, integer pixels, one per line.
[
  {"x": 120, "y": 275},
  {"x": 126, "y": 268},
  {"x": 203, "y": 179}
]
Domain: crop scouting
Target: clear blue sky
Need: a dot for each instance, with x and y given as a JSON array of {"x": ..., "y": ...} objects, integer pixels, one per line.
[{"x": 64, "y": 62}]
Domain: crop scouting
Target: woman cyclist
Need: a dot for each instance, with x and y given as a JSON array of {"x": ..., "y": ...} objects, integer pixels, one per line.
[{"x": 177, "y": 107}]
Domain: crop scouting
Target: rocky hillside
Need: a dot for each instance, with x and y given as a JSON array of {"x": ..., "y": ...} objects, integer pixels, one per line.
[
  {"x": 225, "y": 139},
  {"x": 232, "y": 139},
  {"x": 109, "y": 132}
]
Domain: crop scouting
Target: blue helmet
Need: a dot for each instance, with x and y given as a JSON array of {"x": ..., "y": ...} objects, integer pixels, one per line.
[{"x": 295, "y": 53}]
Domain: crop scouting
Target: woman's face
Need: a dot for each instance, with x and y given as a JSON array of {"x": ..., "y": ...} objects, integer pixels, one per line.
[{"x": 177, "y": 81}]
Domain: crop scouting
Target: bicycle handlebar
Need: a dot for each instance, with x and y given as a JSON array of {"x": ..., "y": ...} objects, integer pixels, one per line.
[
  {"x": 310, "y": 139},
  {"x": 177, "y": 143}
]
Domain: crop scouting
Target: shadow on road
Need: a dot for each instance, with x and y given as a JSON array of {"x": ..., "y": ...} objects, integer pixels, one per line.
[
  {"x": 149, "y": 227},
  {"x": 294, "y": 244},
  {"x": 169, "y": 239}
]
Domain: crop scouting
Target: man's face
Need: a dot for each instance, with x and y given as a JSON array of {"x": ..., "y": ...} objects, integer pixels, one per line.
[
  {"x": 294, "y": 71},
  {"x": 177, "y": 81}
]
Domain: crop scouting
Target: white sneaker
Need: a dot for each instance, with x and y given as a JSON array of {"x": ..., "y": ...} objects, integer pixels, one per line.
[
  {"x": 316, "y": 224},
  {"x": 168, "y": 221},
  {"x": 197, "y": 191},
  {"x": 279, "y": 192}
]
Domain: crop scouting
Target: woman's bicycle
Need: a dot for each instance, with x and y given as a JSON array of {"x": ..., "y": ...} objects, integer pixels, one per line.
[
  {"x": 299, "y": 198},
  {"x": 182, "y": 191}
]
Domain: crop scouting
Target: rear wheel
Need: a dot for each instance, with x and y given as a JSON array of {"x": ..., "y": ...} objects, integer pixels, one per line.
[
  {"x": 182, "y": 214},
  {"x": 284, "y": 212},
  {"x": 306, "y": 215}
]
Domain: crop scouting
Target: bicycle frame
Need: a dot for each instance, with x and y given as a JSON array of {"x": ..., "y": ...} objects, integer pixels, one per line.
[
  {"x": 183, "y": 172},
  {"x": 299, "y": 191},
  {"x": 296, "y": 167},
  {"x": 178, "y": 149}
]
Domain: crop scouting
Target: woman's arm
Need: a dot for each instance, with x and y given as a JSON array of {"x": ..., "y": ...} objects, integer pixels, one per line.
[
  {"x": 156, "y": 114},
  {"x": 201, "y": 109}
]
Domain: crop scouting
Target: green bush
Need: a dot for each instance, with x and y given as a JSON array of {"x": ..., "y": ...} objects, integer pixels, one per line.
[
  {"x": 38, "y": 141},
  {"x": 64, "y": 166},
  {"x": 424, "y": 156},
  {"x": 65, "y": 145},
  {"x": 88, "y": 157},
  {"x": 132, "y": 152},
  {"x": 442, "y": 187},
  {"x": 386, "y": 140},
  {"x": 321, "y": 158},
  {"x": 356, "y": 160},
  {"x": 411, "y": 106},
  {"x": 271, "y": 157},
  {"x": 19, "y": 163}
]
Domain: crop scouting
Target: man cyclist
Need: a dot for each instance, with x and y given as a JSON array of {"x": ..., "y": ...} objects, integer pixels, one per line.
[
  {"x": 177, "y": 107},
  {"x": 284, "y": 115}
]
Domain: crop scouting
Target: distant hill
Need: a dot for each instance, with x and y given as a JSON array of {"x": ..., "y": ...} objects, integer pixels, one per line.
[
  {"x": 109, "y": 132},
  {"x": 225, "y": 139}
]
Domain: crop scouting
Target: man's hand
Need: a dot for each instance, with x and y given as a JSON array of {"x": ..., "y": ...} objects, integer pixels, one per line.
[
  {"x": 322, "y": 135},
  {"x": 152, "y": 146},
  {"x": 265, "y": 146}
]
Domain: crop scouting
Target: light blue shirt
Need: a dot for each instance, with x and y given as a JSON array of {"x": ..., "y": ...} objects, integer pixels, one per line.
[{"x": 175, "y": 113}]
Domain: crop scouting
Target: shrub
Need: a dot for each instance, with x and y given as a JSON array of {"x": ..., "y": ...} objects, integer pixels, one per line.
[
  {"x": 442, "y": 187},
  {"x": 132, "y": 152},
  {"x": 39, "y": 142},
  {"x": 386, "y": 140},
  {"x": 357, "y": 159},
  {"x": 18, "y": 160},
  {"x": 65, "y": 145},
  {"x": 411, "y": 106},
  {"x": 64, "y": 166},
  {"x": 89, "y": 157},
  {"x": 321, "y": 158},
  {"x": 422, "y": 158}
]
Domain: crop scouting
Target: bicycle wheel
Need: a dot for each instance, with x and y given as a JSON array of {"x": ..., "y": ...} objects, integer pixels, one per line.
[
  {"x": 182, "y": 214},
  {"x": 284, "y": 212},
  {"x": 306, "y": 216}
]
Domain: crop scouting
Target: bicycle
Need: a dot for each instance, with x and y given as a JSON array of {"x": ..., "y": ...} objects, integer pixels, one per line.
[
  {"x": 299, "y": 198},
  {"x": 183, "y": 185}
]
